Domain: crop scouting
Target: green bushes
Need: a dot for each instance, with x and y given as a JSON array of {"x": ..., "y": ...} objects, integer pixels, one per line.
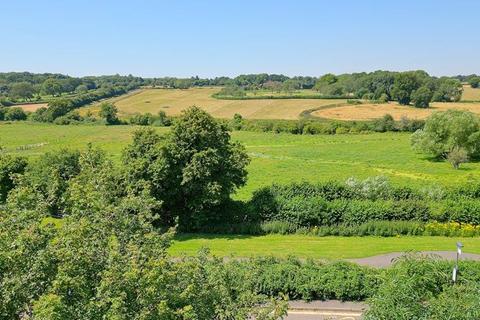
[
  {"x": 415, "y": 287},
  {"x": 358, "y": 202},
  {"x": 62, "y": 106},
  {"x": 308, "y": 280},
  {"x": 148, "y": 119},
  {"x": 383, "y": 124},
  {"x": 419, "y": 288},
  {"x": 14, "y": 114}
]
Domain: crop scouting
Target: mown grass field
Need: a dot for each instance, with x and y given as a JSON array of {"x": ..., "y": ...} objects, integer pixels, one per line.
[
  {"x": 173, "y": 101},
  {"x": 276, "y": 158},
  {"x": 313, "y": 247}
]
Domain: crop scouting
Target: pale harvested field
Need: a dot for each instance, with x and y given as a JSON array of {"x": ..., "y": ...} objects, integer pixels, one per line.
[
  {"x": 31, "y": 106},
  {"x": 374, "y": 111},
  {"x": 470, "y": 93},
  {"x": 173, "y": 101}
]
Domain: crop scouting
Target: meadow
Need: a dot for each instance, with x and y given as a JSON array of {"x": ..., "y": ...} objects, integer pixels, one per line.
[{"x": 276, "y": 158}]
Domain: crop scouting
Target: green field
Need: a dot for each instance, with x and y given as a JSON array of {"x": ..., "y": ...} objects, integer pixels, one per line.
[
  {"x": 313, "y": 247},
  {"x": 279, "y": 158}
]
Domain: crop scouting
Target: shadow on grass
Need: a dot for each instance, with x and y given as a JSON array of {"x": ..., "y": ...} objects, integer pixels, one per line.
[{"x": 443, "y": 160}]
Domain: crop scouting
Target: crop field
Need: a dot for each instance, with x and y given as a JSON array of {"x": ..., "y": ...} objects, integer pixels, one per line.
[
  {"x": 470, "y": 93},
  {"x": 369, "y": 111},
  {"x": 312, "y": 247},
  {"x": 276, "y": 158},
  {"x": 270, "y": 93},
  {"x": 173, "y": 101},
  {"x": 31, "y": 106}
]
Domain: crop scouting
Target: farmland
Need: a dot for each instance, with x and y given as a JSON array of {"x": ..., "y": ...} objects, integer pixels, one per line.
[
  {"x": 173, "y": 101},
  {"x": 369, "y": 111},
  {"x": 279, "y": 158},
  {"x": 470, "y": 94},
  {"x": 32, "y": 106}
]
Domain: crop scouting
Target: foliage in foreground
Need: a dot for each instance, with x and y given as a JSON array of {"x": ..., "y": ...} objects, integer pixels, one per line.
[
  {"x": 112, "y": 265},
  {"x": 417, "y": 288}
]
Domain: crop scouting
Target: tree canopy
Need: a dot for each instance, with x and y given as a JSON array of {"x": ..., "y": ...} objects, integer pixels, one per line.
[
  {"x": 448, "y": 131},
  {"x": 192, "y": 171}
]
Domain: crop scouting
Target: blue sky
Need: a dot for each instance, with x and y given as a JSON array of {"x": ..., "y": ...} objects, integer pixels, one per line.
[{"x": 212, "y": 38}]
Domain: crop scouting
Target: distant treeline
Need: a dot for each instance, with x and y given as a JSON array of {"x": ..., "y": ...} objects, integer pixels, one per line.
[
  {"x": 405, "y": 87},
  {"x": 20, "y": 87},
  {"x": 26, "y": 85},
  {"x": 416, "y": 87}
]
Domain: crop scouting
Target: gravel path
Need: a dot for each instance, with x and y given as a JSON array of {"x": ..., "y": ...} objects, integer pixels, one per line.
[{"x": 386, "y": 260}]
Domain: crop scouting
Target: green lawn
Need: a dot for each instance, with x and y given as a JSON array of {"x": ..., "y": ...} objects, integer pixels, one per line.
[
  {"x": 313, "y": 247},
  {"x": 279, "y": 158}
]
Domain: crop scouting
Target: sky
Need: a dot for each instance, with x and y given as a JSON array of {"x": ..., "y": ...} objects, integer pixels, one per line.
[{"x": 212, "y": 38}]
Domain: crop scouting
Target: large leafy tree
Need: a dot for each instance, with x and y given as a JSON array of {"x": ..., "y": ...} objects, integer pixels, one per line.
[
  {"x": 109, "y": 113},
  {"x": 22, "y": 90},
  {"x": 404, "y": 85},
  {"x": 447, "y": 131},
  {"x": 193, "y": 170},
  {"x": 52, "y": 87},
  {"x": 447, "y": 90},
  {"x": 421, "y": 97},
  {"x": 474, "y": 81}
]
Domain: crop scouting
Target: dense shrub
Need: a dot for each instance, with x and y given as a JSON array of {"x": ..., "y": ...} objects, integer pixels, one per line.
[
  {"x": 9, "y": 167},
  {"x": 70, "y": 118},
  {"x": 148, "y": 119},
  {"x": 384, "y": 124},
  {"x": 358, "y": 202},
  {"x": 308, "y": 280},
  {"x": 15, "y": 114},
  {"x": 138, "y": 119},
  {"x": 419, "y": 288},
  {"x": 3, "y": 110}
]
